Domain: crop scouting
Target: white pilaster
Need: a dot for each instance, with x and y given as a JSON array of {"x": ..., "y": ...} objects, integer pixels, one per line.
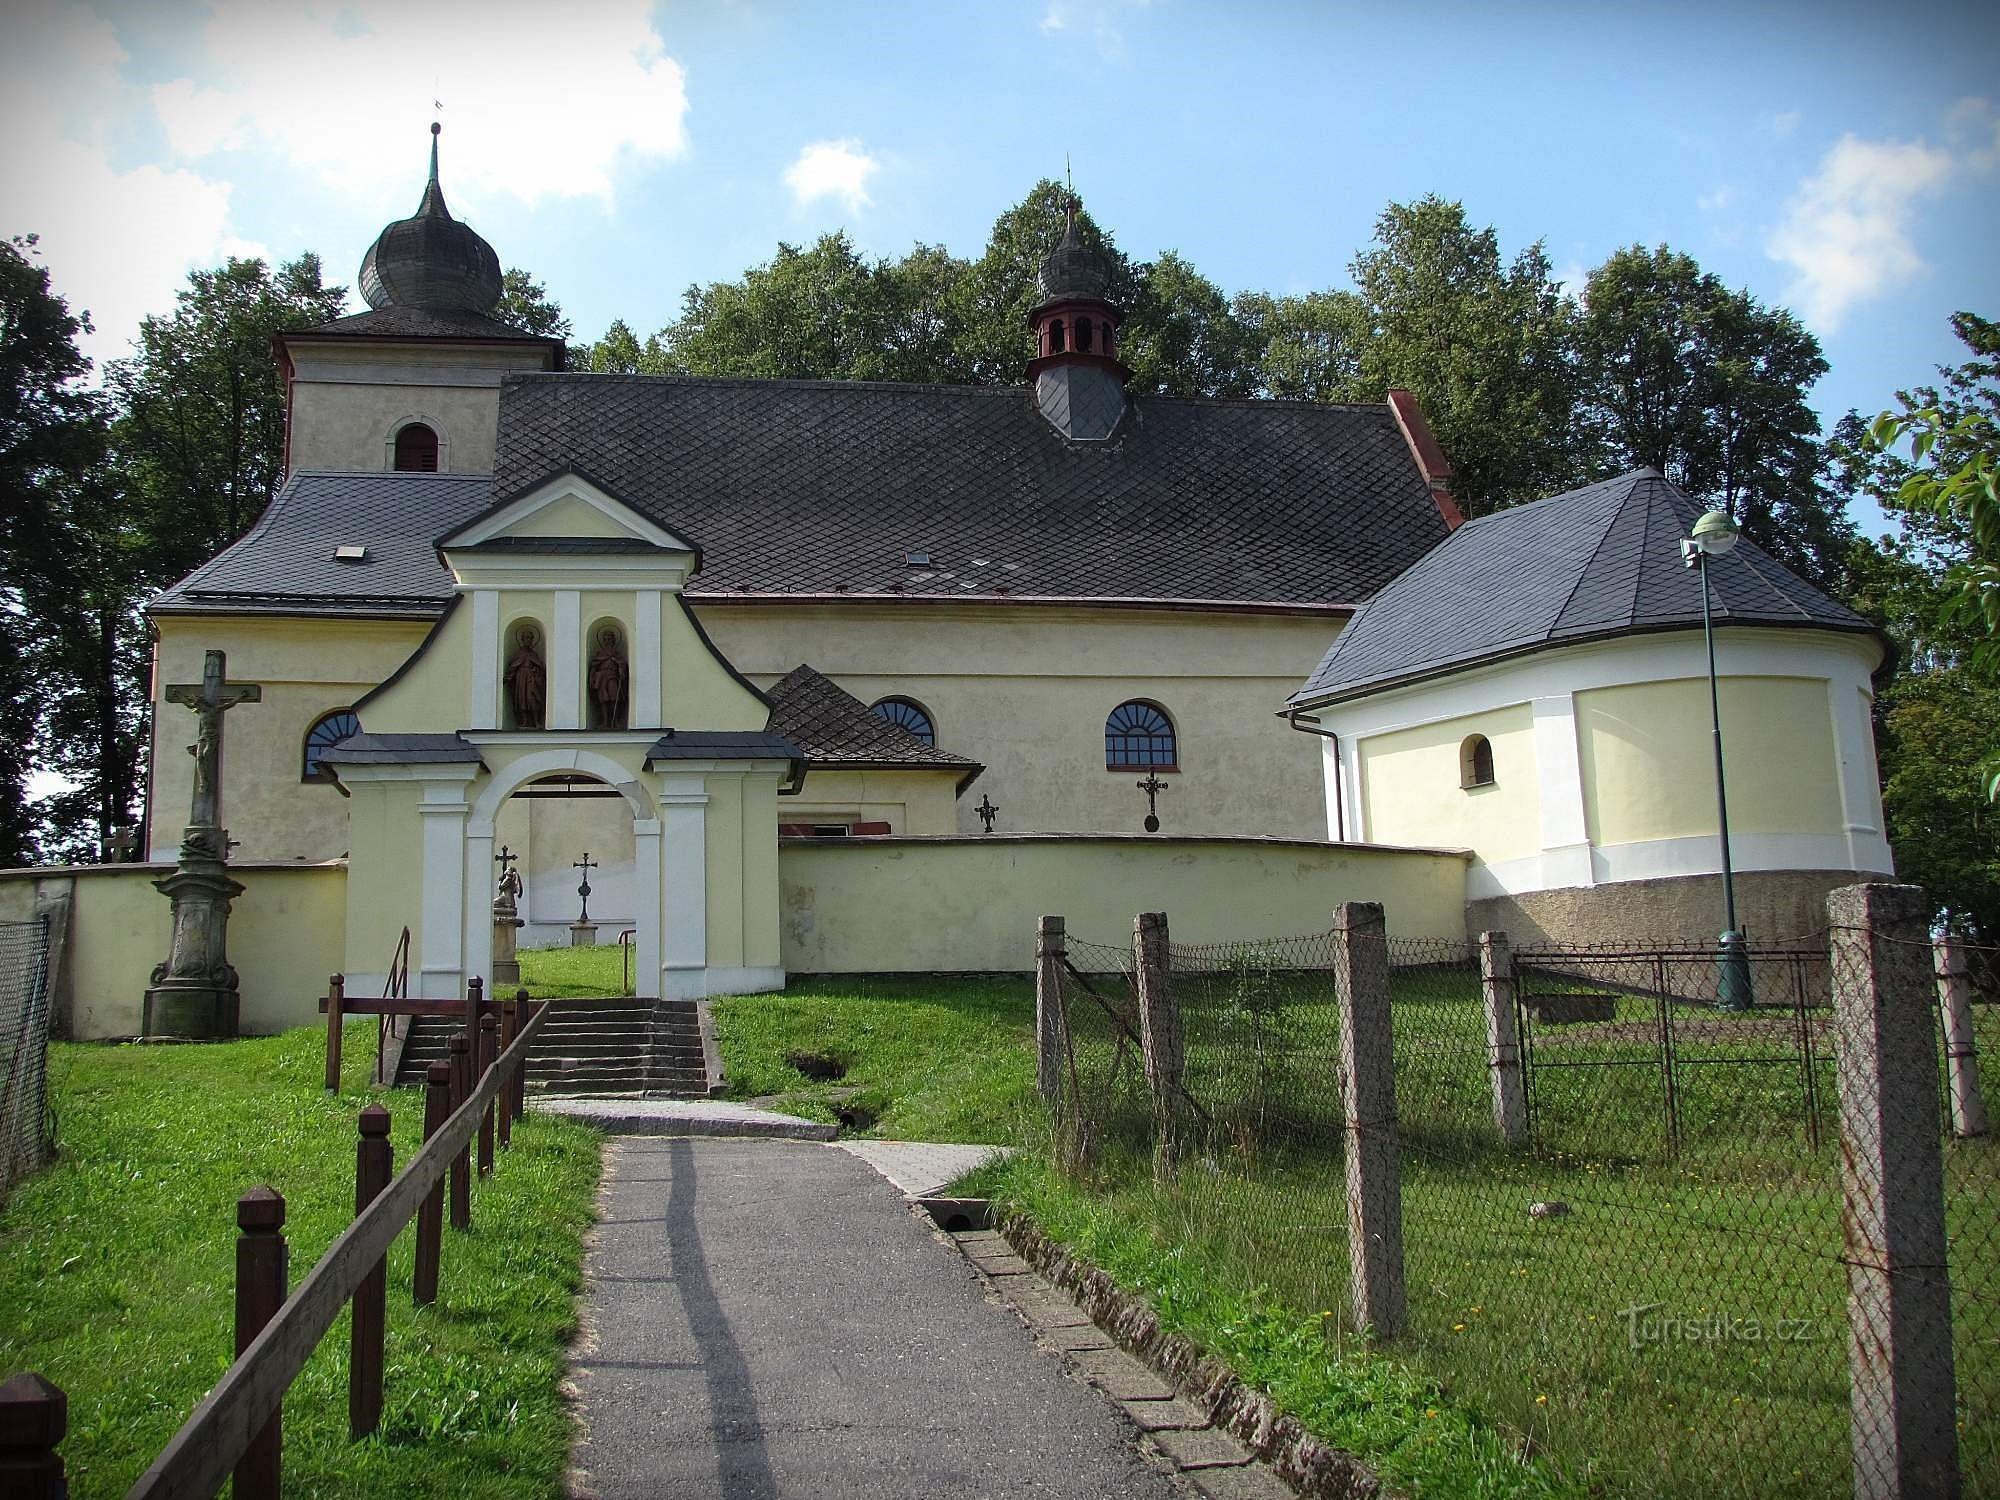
[
  {"x": 485, "y": 659},
  {"x": 648, "y": 712},
  {"x": 684, "y": 879},
  {"x": 1559, "y": 776},
  {"x": 566, "y": 662},
  {"x": 649, "y": 913},
  {"x": 441, "y": 960},
  {"x": 478, "y": 902}
]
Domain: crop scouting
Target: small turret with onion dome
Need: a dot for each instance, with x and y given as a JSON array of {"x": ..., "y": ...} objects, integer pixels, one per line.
[
  {"x": 431, "y": 260},
  {"x": 1078, "y": 379}
]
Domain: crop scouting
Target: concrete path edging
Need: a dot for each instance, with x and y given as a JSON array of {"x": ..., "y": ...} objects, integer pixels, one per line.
[{"x": 690, "y": 1117}]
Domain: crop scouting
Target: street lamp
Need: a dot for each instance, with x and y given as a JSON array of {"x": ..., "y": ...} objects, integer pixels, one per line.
[{"x": 1714, "y": 535}]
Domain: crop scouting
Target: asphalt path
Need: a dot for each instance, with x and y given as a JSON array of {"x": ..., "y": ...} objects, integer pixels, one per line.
[{"x": 766, "y": 1320}]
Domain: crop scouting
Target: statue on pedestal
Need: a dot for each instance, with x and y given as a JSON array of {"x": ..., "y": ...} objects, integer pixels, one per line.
[
  {"x": 507, "y": 922},
  {"x": 527, "y": 680},
  {"x": 194, "y": 992},
  {"x": 609, "y": 682}
]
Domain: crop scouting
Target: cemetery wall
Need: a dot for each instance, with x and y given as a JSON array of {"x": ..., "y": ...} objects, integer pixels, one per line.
[
  {"x": 284, "y": 939},
  {"x": 960, "y": 904}
]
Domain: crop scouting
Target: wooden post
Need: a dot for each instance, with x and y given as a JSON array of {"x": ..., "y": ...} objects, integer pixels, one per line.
[
  {"x": 260, "y": 1292},
  {"x": 475, "y": 1006},
  {"x": 518, "y": 1092},
  {"x": 430, "y": 1216},
  {"x": 374, "y": 1165},
  {"x": 1050, "y": 948},
  {"x": 1368, "y": 1087},
  {"x": 489, "y": 1034},
  {"x": 1503, "y": 1037},
  {"x": 34, "y": 1417},
  {"x": 1961, "y": 1057},
  {"x": 1159, "y": 1038},
  {"x": 336, "y": 991},
  {"x": 461, "y": 1163},
  {"x": 1902, "y": 1401},
  {"x": 510, "y": 1027}
]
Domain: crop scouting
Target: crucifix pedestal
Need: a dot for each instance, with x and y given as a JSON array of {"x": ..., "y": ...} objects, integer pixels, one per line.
[
  {"x": 194, "y": 991},
  {"x": 506, "y": 923}
]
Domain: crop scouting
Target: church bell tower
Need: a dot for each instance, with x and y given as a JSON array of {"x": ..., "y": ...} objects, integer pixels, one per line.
[{"x": 1078, "y": 379}]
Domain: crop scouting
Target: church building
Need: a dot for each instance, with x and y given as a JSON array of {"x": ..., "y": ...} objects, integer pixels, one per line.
[{"x": 673, "y": 632}]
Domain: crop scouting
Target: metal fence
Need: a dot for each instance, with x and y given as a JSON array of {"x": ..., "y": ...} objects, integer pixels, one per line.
[
  {"x": 27, "y": 1133},
  {"x": 1627, "y": 1223}
]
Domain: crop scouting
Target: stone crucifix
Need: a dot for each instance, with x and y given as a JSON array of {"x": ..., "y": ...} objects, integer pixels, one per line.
[{"x": 193, "y": 993}]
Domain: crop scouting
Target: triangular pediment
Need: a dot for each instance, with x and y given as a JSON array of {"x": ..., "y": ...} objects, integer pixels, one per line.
[{"x": 568, "y": 515}]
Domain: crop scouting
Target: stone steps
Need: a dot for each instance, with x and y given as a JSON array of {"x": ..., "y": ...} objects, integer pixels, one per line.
[{"x": 595, "y": 1047}]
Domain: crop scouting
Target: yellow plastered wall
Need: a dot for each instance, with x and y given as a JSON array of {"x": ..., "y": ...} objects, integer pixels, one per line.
[
  {"x": 1410, "y": 786},
  {"x": 348, "y": 398},
  {"x": 761, "y": 898},
  {"x": 908, "y": 801},
  {"x": 285, "y": 938},
  {"x": 307, "y": 668},
  {"x": 434, "y": 693},
  {"x": 568, "y": 516},
  {"x": 973, "y": 904},
  {"x": 726, "y": 834},
  {"x": 1648, "y": 766},
  {"x": 1026, "y": 691},
  {"x": 385, "y": 876}
]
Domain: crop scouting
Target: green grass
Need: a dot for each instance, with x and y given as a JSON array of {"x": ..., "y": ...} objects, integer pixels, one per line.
[
  {"x": 117, "y": 1267},
  {"x": 929, "y": 1059},
  {"x": 587, "y": 973}
]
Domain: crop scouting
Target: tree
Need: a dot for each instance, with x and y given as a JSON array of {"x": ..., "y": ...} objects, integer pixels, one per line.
[
  {"x": 1182, "y": 338},
  {"x": 525, "y": 304},
  {"x": 619, "y": 352},
  {"x": 1305, "y": 348},
  {"x": 200, "y": 434},
  {"x": 52, "y": 441},
  {"x": 1482, "y": 344},
  {"x": 1709, "y": 386}
]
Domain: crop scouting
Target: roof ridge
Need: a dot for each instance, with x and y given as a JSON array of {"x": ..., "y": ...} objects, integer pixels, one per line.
[{"x": 1610, "y": 525}]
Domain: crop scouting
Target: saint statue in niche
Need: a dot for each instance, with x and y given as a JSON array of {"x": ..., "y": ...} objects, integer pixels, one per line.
[
  {"x": 608, "y": 681},
  {"x": 527, "y": 680}
]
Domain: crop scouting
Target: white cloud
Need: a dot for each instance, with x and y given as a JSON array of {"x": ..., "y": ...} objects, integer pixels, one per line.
[
  {"x": 1100, "y": 19},
  {"x": 537, "y": 103},
  {"x": 1846, "y": 230},
  {"x": 118, "y": 242},
  {"x": 832, "y": 169},
  {"x": 1973, "y": 127}
]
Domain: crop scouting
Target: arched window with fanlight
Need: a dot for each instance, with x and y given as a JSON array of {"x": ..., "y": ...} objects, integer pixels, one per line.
[
  {"x": 416, "y": 449},
  {"x": 1475, "y": 762},
  {"x": 907, "y": 714},
  {"x": 327, "y": 731},
  {"x": 1140, "y": 737}
]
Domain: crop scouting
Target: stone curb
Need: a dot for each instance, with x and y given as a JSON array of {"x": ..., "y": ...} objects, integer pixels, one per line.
[
  {"x": 1312, "y": 1467},
  {"x": 636, "y": 1124}
]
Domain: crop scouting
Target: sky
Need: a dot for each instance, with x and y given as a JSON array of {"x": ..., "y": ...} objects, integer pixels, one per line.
[{"x": 1842, "y": 160}]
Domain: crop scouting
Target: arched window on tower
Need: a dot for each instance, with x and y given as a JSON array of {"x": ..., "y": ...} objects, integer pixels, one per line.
[
  {"x": 416, "y": 449},
  {"x": 1083, "y": 335},
  {"x": 327, "y": 731},
  {"x": 1475, "y": 762},
  {"x": 1056, "y": 337},
  {"x": 908, "y": 714},
  {"x": 1139, "y": 737}
]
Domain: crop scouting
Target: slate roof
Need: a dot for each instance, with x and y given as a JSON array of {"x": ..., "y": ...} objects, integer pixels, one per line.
[
  {"x": 400, "y": 321},
  {"x": 401, "y": 749},
  {"x": 286, "y": 564},
  {"x": 816, "y": 487},
  {"x": 729, "y": 744},
  {"x": 1595, "y": 562},
  {"x": 837, "y": 730}
]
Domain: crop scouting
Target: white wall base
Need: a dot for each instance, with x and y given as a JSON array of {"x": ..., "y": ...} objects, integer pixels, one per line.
[{"x": 699, "y": 984}]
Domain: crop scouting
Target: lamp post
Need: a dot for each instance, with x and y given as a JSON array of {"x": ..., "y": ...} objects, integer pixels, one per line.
[{"x": 1714, "y": 535}]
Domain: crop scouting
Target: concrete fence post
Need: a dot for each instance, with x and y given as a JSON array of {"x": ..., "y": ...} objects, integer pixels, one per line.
[
  {"x": 260, "y": 1292},
  {"x": 34, "y": 1418},
  {"x": 1902, "y": 1406},
  {"x": 1051, "y": 947},
  {"x": 1503, "y": 1037},
  {"x": 1159, "y": 1037},
  {"x": 1368, "y": 1089},
  {"x": 1961, "y": 1057}
]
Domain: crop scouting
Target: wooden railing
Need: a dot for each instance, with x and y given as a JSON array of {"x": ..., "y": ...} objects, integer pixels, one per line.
[
  {"x": 236, "y": 1428},
  {"x": 395, "y": 986}
]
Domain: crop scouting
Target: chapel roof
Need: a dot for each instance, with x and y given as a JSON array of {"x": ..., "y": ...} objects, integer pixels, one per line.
[
  {"x": 892, "y": 491},
  {"x": 431, "y": 260},
  {"x": 1592, "y": 563},
  {"x": 1077, "y": 268},
  {"x": 834, "y": 729}
]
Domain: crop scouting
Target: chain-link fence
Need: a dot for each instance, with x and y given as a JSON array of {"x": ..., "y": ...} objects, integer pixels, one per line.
[
  {"x": 27, "y": 1136},
  {"x": 1631, "y": 1195}
]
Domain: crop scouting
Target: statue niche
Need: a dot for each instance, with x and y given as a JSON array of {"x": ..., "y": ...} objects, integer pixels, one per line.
[
  {"x": 527, "y": 679},
  {"x": 610, "y": 682}
]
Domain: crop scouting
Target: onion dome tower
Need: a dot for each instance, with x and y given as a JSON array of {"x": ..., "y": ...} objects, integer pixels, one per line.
[
  {"x": 1079, "y": 382},
  {"x": 431, "y": 260}
]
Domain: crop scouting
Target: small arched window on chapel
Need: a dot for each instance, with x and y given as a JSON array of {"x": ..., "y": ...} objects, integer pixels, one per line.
[
  {"x": 328, "y": 730},
  {"x": 1083, "y": 335},
  {"x": 416, "y": 449},
  {"x": 1139, "y": 737},
  {"x": 908, "y": 715},
  {"x": 1475, "y": 762},
  {"x": 1056, "y": 337}
]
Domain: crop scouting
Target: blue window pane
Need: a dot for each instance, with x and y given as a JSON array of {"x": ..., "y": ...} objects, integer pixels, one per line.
[
  {"x": 326, "y": 733},
  {"x": 906, "y": 715},
  {"x": 1137, "y": 735}
]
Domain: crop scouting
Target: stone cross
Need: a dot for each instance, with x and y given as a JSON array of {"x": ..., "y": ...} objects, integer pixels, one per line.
[
  {"x": 1152, "y": 786},
  {"x": 586, "y": 864},
  {"x": 987, "y": 811},
  {"x": 210, "y": 699}
]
